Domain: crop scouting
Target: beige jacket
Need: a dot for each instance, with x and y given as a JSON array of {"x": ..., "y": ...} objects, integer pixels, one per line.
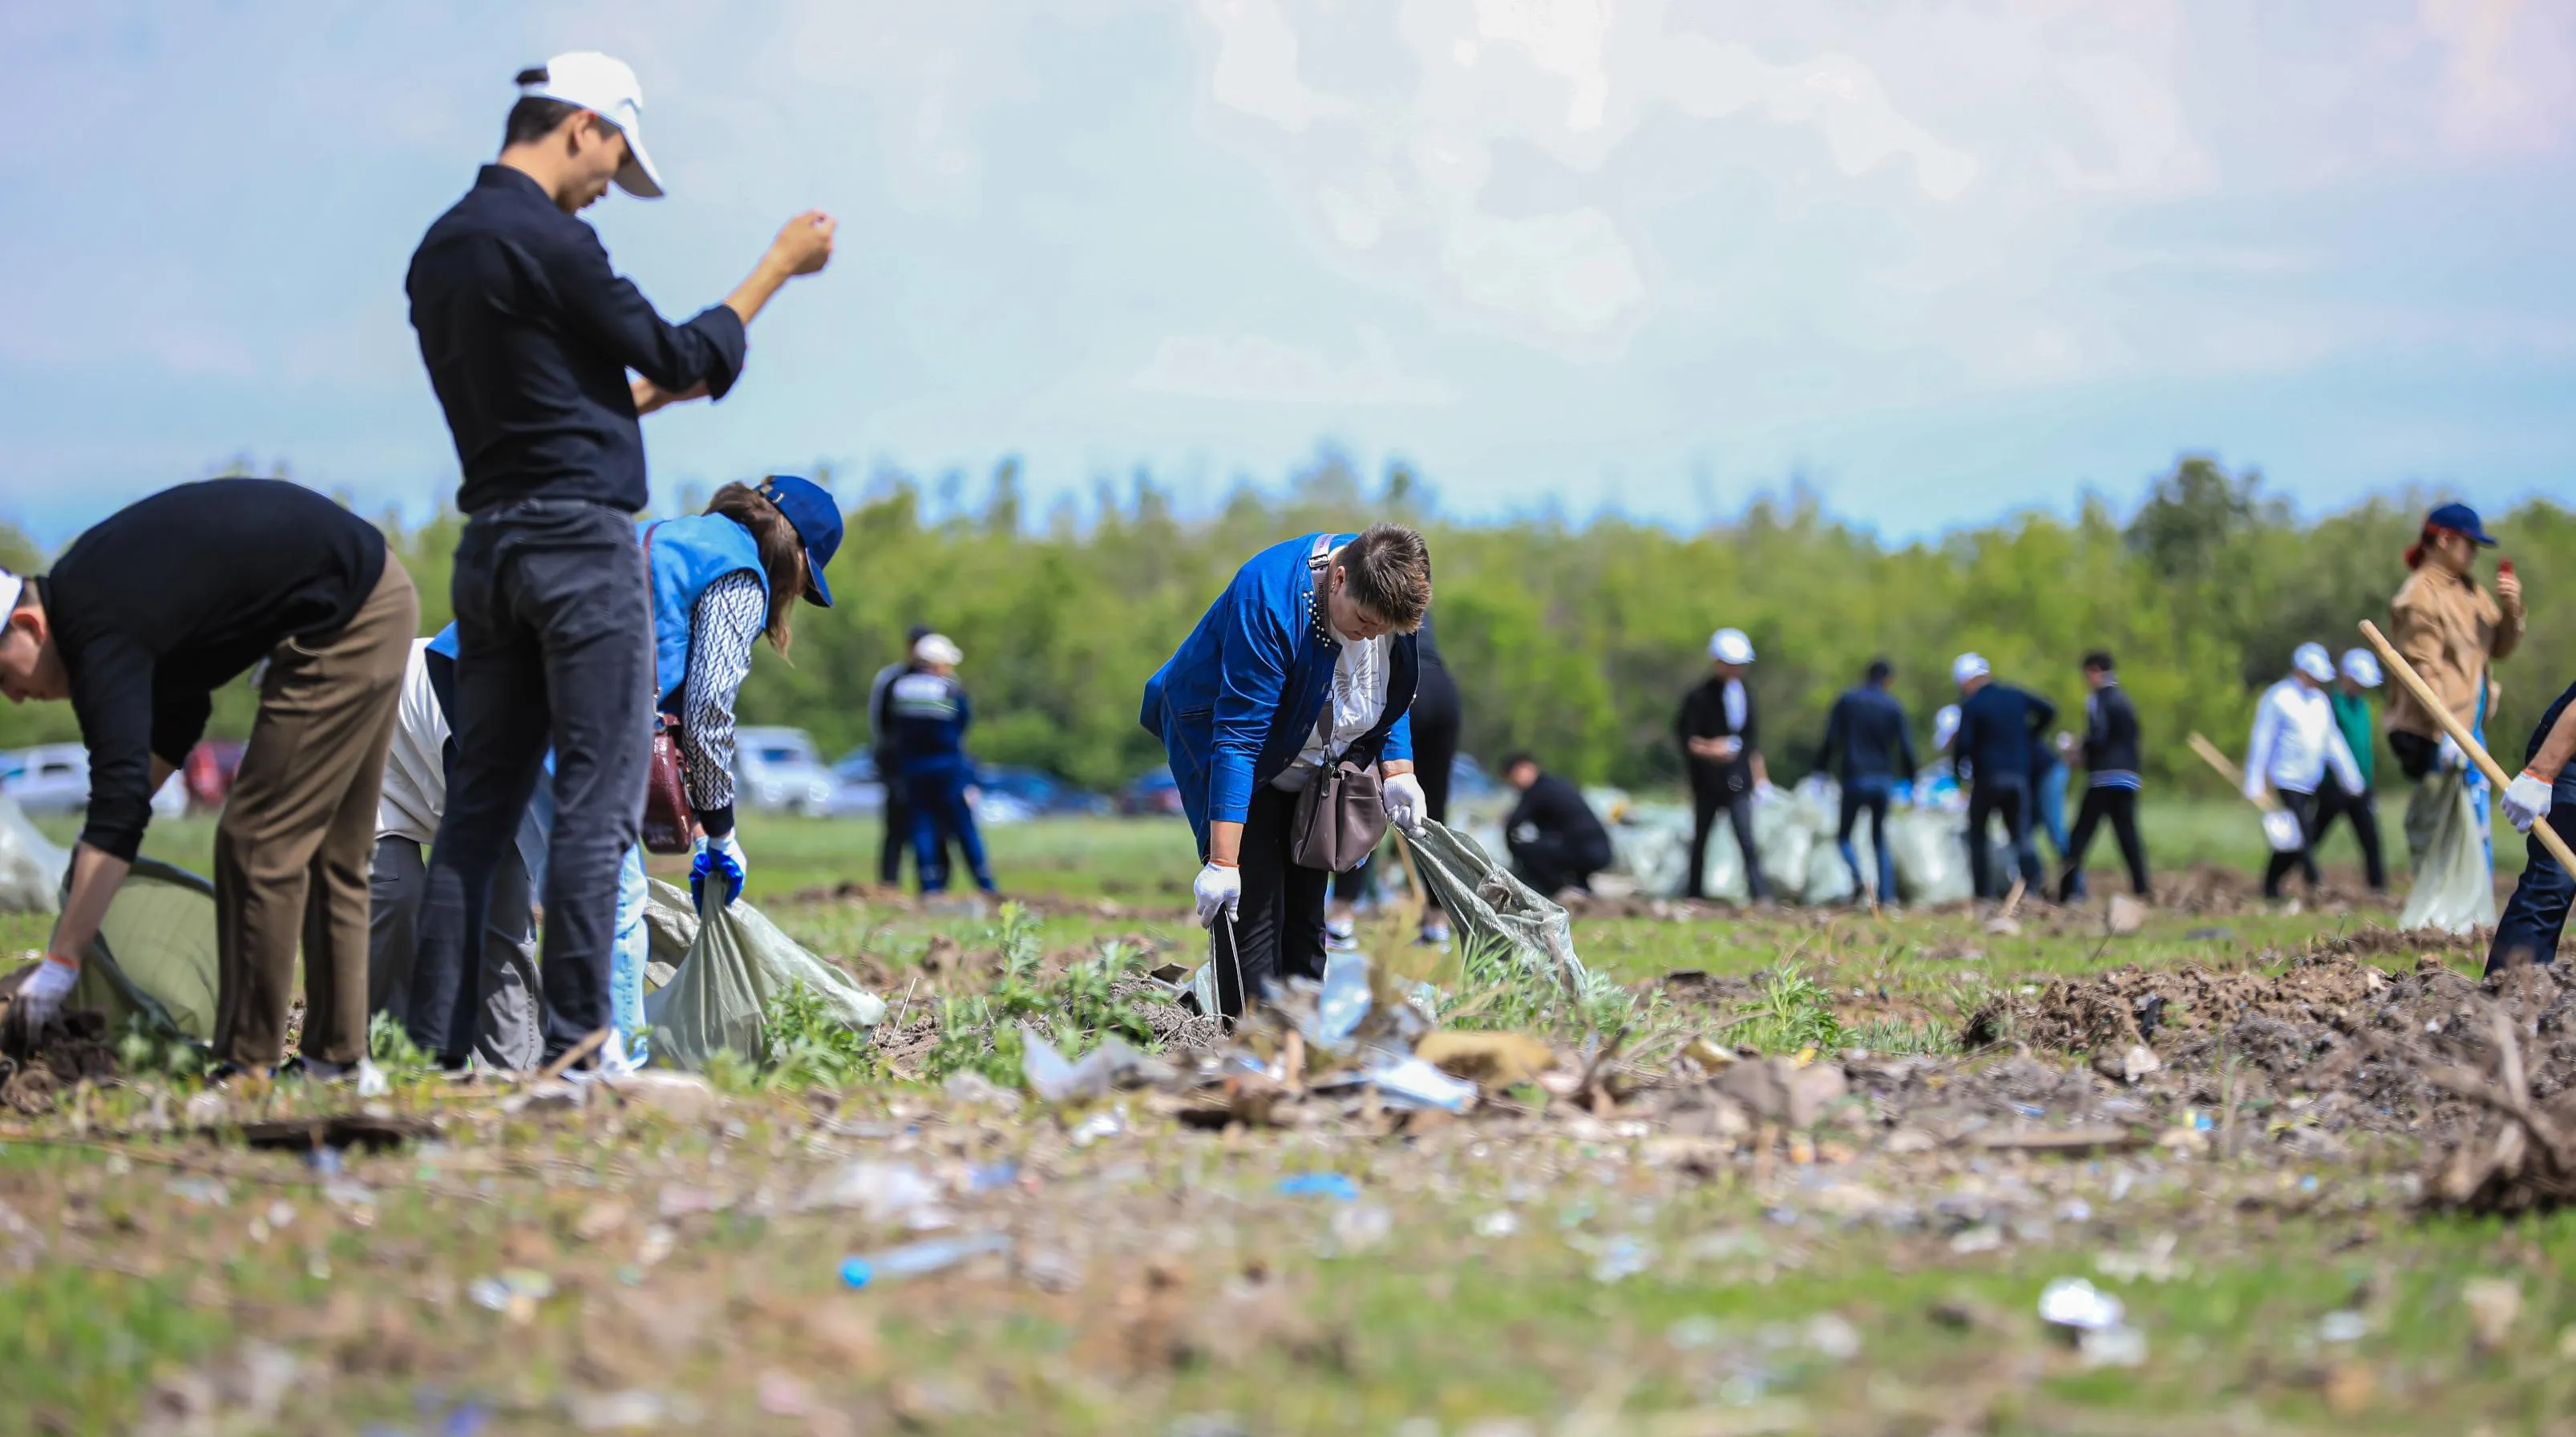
[{"x": 2449, "y": 629}]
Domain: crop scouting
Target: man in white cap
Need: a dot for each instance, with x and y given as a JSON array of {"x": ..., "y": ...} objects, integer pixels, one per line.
[
  {"x": 2295, "y": 743},
  {"x": 529, "y": 337},
  {"x": 1722, "y": 751},
  {"x": 2354, "y": 679},
  {"x": 1999, "y": 734}
]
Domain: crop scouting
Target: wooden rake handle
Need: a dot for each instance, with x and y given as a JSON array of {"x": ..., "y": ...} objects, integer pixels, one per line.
[{"x": 2441, "y": 712}]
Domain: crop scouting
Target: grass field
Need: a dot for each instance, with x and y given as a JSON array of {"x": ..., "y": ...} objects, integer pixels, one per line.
[{"x": 622, "y": 1268}]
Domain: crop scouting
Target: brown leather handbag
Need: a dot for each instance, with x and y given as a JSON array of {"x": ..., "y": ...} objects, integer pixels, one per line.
[
  {"x": 670, "y": 825},
  {"x": 1340, "y": 817}
]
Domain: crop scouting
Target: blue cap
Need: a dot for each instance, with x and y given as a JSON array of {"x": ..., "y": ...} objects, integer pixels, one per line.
[
  {"x": 2460, "y": 518},
  {"x": 809, "y": 507}
]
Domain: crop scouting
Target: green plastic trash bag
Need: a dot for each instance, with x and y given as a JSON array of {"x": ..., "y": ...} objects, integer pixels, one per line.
[
  {"x": 1486, "y": 903},
  {"x": 32, "y": 869},
  {"x": 1929, "y": 848},
  {"x": 2454, "y": 890},
  {"x": 154, "y": 954},
  {"x": 737, "y": 963}
]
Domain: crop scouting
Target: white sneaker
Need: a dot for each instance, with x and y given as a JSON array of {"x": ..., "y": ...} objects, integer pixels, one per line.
[{"x": 1341, "y": 936}]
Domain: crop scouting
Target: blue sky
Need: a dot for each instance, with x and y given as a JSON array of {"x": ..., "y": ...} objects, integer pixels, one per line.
[{"x": 1939, "y": 260}]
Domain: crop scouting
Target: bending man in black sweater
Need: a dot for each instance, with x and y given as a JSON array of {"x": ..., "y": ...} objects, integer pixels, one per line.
[
  {"x": 140, "y": 622},
  {"x": 1557, "y": 841}
]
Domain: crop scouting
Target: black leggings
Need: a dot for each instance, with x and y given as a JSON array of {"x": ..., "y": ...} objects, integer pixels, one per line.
[
  {"x": 1706, "y": 805},
  {"x": 1279, "y": 932},
  {"x": 2363, "y": 810}
]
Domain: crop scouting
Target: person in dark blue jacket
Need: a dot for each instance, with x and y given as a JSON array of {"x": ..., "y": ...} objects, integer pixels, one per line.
[
  {"x": 1870, "y": 750},
  {"x": 1308, "y": 658},
  {"x": 930, "y": 714},
  {"x": 1999, "y": 726}
]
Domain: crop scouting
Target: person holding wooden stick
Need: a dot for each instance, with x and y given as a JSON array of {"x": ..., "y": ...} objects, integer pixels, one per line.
[
  {"x": 2297, "y": 750},
  {"x": 2451, "y": 631}
]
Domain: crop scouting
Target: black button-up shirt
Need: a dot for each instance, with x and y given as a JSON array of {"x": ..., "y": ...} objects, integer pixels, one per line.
[{"x": 528, "y": 335}]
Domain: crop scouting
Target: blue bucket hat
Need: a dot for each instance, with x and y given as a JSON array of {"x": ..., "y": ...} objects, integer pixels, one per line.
[
  {"x": 809, "y": 507},
  {"x": 2460, "y": 518}
]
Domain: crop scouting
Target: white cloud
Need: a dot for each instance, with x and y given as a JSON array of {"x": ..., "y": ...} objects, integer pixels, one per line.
[
  {"x": 1256, "y": 369},
  {"x": 1256, "y": 62}
]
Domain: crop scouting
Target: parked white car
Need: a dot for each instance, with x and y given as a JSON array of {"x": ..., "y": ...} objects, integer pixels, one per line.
[
  {"x": 776, "y": 770},
  {"x": 54, "y": 778}
]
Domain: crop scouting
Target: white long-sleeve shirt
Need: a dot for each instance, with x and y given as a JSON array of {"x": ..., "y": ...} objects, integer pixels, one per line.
[
  {"x": 2295, "y": 739},
  {"x": 415, "y": 784}
]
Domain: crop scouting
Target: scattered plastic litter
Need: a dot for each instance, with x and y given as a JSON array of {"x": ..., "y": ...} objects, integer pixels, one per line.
[
  {"x": 1621, "y": 1258},
  {"x": 2077, "y": 1305},
  {"x": 916, "y": 1259},
  {"x": 1330, "y": 1185},
  {"x": 882, "y": 1192},
  {"x": 2344, "y": 1326},
  {"x": 1111, "y": 1065},
  {"x": 1413, "y": 1083}
]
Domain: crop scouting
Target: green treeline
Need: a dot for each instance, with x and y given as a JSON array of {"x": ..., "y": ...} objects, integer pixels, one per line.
[{"x": 1576, "y": 640}]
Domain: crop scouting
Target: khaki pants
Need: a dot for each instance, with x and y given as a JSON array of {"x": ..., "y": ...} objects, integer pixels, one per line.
[{"x": 292, "y": 852}]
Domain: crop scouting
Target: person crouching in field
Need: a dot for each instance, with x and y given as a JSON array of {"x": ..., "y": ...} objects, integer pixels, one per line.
[
  {"x": 142, "y": 620},
  {"x": 1308, "y": 659}
]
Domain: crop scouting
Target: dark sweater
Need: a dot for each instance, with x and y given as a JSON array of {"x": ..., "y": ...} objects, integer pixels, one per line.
[
  {"x": 1999, "y": 728},
  {"x": 1866, "y": 736},
  {"x": 2110, "y": 732},
  {"x": 1556, "y": 808},
  {"x": 170, "y": 598},
  {"x": 528, "y": 334},
  {"x": 1703, "y": 715}
]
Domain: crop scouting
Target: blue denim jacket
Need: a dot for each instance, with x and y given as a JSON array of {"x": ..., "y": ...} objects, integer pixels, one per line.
[{"x": 1236, "y": 702}]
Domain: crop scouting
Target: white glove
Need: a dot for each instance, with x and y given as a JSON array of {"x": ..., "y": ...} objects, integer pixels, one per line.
[
  {"x": 41, "y": 996},
  {"x": 2448, "y": 757},
  {"x": 2526, "y": 800},
  {"x": 1404, "y": 802},
  {"x": 1218, "y": 890}
]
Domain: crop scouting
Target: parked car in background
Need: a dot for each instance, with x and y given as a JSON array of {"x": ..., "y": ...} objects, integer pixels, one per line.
[
  {"x": 209, "y": 772},
  {"x": 54, "y": 778},
  {"x": 776, "y": 770},
  {"x": 1153, "y": 791},
  {"x": 856, "y": 786},
  {"x": 1038, "y": 790}
]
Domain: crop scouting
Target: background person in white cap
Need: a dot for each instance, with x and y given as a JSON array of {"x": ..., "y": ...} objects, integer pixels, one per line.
[
  {"x": 931, "y": 715},
  {"x": 143, "y": 618},
  {"x": 1720, "y": 737},
  {"x": 2295, "y": 743},
  {"x": 2350, "y": 696},
  {"x": 529, "y": 337},
  {"x": 1999, "y": 736}
]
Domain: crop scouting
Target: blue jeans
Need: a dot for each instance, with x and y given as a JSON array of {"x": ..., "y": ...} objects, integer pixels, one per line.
[
  {"x": 2538, "y": 909},
  {"x": 1868, "y": 792},
  {"x": 939, "y": 815}
]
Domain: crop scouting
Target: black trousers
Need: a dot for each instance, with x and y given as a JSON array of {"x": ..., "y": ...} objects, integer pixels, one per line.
[
  {"x": 1552, "y": 862},
  {"x": 2362, "y": 810},
  {"x": 1706, "y": 805},
  {"x": 2302, "y": 806},
  {"x": 554, "y": 647},
  {"x": 2120, "y": 807},
  {"x": 898, "y": 820},
  {"x": 1279, "y": 932},
  {"x": 2005, "y": 795}
]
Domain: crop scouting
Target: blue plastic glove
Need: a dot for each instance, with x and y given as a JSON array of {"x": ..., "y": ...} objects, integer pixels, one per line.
[{"x": 721, "y": 857}]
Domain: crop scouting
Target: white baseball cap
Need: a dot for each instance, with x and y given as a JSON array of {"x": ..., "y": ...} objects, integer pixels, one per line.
[
  {"x": 2313, "y": 660},
  {"x": 11, "y": 586},
  {"x": 1730, "y": 646},
  {"x": 608, "y": 88},
  {"x": 1968, "y": 666},
  {"x": 937, "y": 649},
  {"x": 2362, "y": 667}
]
